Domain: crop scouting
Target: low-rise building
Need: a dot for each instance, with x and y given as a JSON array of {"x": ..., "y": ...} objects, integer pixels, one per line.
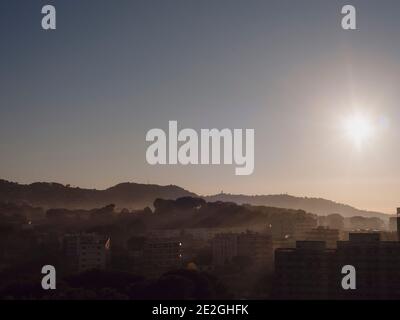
[
  {"x": 161, "y": 255},
  {"x": 258, "y": 247},
  {"x": 329, "y": 236},
  {"x": 85, "y": 251},
  {"x": 253, "y": 245},
  {"x": 224, "y": 248},
  {"x": 301, "y": 228}
]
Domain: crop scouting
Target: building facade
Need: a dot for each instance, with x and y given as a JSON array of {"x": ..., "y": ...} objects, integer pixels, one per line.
[
  {"x": 161, "y": 255},
  {"x": 255, "y": 246},
  {"x": 329, "y": 236},
  {"x": 312, "y": 271},
  {"x": 86, "y": 251}
]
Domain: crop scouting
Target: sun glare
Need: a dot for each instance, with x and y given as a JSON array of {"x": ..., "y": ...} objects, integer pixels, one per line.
[{"x": 359, "y": 129}]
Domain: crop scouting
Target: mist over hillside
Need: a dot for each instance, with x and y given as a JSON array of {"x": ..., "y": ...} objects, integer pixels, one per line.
[
  {"x": 138, "y": 196},
  {"x": 317, "y": 206}
]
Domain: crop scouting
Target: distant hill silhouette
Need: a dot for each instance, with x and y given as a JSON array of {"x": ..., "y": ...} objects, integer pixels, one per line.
[
  {"x": 55, "y": 195},
  {"x": 318, "y": 206},
  {"x": 137, "y": 196}
]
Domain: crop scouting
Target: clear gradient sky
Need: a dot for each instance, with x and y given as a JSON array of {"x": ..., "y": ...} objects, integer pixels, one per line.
[{"x": 76, "y": 103}]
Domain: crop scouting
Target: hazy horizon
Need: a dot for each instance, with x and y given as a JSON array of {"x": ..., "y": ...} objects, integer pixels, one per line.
[
  {"x": 190, "y": 190},
  {"x": 77, "y": 102}
]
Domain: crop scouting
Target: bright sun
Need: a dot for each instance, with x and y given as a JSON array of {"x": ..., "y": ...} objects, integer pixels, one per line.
[{"x": 358, "y": 128}]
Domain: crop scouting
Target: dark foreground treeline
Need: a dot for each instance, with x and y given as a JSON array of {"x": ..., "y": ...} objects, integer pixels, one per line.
[{"x": 112, "y": 285}]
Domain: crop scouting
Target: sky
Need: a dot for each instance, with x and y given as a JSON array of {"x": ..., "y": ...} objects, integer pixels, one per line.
[{"x": 76, "y": 102}]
